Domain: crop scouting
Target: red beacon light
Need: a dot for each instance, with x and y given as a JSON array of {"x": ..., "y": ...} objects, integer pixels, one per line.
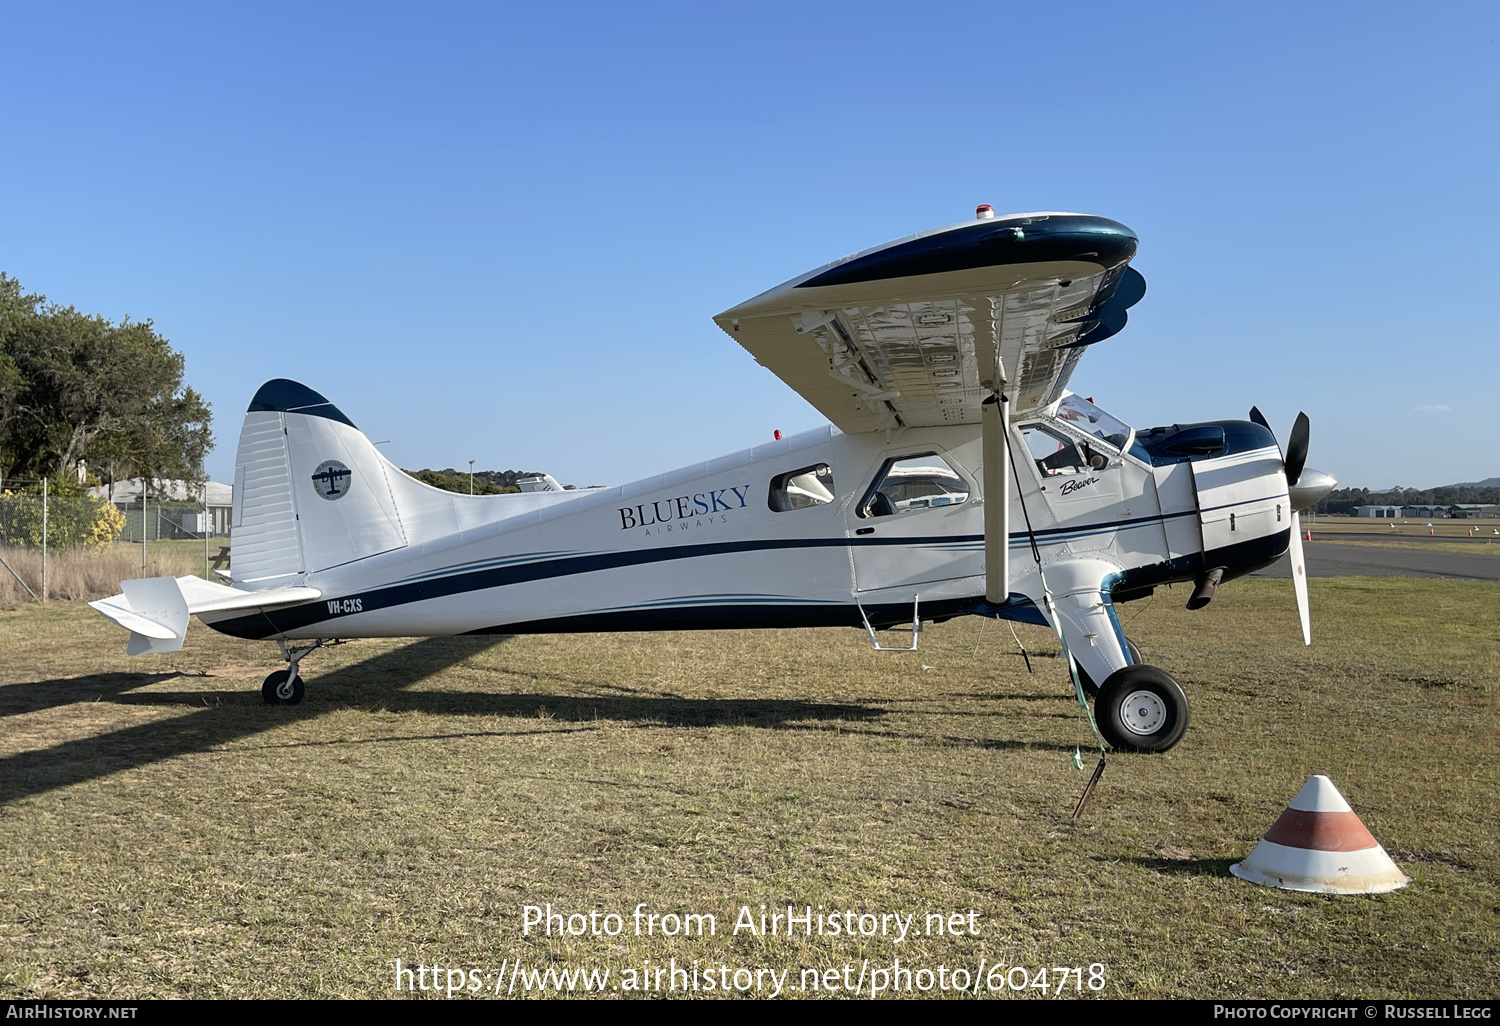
[
  {"x": 777, "y": 433},
  {"x": 984, "y": 212}
]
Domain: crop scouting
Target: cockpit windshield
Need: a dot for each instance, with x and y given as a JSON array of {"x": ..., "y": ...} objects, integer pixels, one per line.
[{"x": 1085, "y": 416}]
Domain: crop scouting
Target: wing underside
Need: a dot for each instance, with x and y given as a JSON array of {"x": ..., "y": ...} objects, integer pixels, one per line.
[{"x": 908, "y": 334}]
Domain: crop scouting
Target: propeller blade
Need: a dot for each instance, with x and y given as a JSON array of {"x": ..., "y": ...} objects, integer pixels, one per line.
[
  {"x": 1299, "y": 578},
  {"x": 1296, "y": 449},
  {"x": 1260, "y": 418}
]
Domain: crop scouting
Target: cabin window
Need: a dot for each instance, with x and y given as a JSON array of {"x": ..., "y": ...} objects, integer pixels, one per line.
[
  {"x": 911, "y": 484},
  {"x": 799, "y": 489}
]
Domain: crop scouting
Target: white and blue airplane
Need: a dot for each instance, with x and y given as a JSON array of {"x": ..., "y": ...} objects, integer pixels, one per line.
[{"x": 959, "y": 477}]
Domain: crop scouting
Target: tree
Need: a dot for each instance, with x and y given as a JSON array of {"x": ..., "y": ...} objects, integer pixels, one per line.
[
  {"x": 486, "y": 482},
  {"x": 76, "y": 388}
]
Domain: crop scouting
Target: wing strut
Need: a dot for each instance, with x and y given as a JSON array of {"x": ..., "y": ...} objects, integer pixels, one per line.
[
  {"x": 994, "y": 435},
  {"x": 994, "y": 430}
]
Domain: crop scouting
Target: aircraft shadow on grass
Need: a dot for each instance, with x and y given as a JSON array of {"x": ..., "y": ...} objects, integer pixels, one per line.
[
  {"x": 382, "y": 683},
  {"x": 1174, "y": 867},
  {"x": 92, "y": 687},
  {"x": 202, "y": 729}
]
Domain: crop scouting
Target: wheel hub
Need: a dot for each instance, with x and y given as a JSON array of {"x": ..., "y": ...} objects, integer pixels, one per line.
[
  {"x": 284, "y": 690},
  {"x": 1143, "y": 712}
]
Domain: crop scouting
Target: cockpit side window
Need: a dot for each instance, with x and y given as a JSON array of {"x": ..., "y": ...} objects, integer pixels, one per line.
[
  {"x": 799, "y": 489},
  {"x": 910, "y": 484}
]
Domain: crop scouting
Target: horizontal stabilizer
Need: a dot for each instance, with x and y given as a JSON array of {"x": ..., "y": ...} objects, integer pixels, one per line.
[
  {"x": 155, "y": 610},
  {"x": 207, "y": 597}
]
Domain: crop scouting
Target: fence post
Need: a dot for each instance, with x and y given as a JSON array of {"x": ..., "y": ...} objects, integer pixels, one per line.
[
  {"x": 44, "y": 539},
  {"x": 206, "y": 575},
  {"x": 143, "y": 527}
]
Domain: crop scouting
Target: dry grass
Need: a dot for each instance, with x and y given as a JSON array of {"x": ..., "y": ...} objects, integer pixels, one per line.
[
  {"x": 163, "y": 833},
  {"x": 82, "y": 575}
]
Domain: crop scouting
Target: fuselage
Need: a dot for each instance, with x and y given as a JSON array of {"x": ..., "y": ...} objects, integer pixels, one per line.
[{"x": 820, "y": 529}]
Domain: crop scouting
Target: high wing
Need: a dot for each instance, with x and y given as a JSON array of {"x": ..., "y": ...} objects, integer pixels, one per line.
[{"x": 906, "y": 334}]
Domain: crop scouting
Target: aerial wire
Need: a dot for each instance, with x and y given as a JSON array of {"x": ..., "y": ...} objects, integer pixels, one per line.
[{"x": 1056, "y": 621}]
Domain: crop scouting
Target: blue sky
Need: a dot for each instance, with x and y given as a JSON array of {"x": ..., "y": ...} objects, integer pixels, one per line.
[{"x": 499, "y": 233}]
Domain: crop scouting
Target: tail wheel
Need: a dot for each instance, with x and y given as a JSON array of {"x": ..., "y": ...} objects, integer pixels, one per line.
[
  {"x": 282, "y": 688},
  {"x": 1089, "y": 687},
  {"x": 1141, "y": 709}
]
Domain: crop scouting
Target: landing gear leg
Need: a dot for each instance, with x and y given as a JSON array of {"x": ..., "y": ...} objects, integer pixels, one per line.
[
  {"x": 1089, "y": 687},
  {"x": 284, "y": 687}
]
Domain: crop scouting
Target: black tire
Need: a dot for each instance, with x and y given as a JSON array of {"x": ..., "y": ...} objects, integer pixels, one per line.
[
  {"x": 1141, "y": 709},
  {"x": 1090, "y": 689},
  {"x": 277, "y": 691}
]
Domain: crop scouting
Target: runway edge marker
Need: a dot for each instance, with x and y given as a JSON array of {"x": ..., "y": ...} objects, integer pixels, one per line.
[{"x": 1319, "y": 844}]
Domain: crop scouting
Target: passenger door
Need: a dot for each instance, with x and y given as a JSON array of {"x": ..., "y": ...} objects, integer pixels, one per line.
[{"x": 914, "y": 527}]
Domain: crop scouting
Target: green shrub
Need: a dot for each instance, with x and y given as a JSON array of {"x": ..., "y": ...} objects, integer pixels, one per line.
[{"x": 73, "y": 521}]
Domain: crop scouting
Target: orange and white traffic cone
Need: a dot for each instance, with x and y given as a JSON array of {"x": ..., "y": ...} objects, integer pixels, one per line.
[{"x": 1320, "y": 845}]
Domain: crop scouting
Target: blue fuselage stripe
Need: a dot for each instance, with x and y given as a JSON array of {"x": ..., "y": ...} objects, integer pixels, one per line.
[{"x": 462, "y": 581}]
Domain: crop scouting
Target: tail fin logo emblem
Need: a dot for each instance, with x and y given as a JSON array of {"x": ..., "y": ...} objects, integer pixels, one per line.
[{"x": 332, "y": 479}]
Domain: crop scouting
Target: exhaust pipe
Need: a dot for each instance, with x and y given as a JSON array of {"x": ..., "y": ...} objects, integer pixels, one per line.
[{"x": 1203, "y": 594}]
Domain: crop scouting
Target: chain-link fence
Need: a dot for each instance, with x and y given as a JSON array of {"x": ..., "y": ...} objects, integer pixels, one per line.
[{"x": 79, "y": 547}]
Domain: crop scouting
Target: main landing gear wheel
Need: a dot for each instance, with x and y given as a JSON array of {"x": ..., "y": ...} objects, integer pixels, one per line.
[
  {"x": 1141, "y": 709},
  {"x": 1090, "y": 689},
  {"x": 282, "y": 688}
]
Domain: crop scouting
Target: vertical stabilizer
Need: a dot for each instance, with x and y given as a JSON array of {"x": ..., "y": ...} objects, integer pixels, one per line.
[{"x": 311, "y": 491}]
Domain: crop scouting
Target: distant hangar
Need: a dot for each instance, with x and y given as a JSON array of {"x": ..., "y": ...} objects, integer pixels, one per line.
[{"x": 1457, "y": 511}]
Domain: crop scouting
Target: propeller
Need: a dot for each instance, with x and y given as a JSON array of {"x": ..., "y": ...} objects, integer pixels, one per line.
[
  {"x": 1304, "y": 488},
  {"x": 1299, "y": 578},
  {"x": 1296, "y": 449}
]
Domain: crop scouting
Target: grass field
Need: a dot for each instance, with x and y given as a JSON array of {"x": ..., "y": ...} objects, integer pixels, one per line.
[
  {"x": 79, "y": 575},
  {"x": 83, "y": 574},
  {"x": 164, "y": 833}
]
